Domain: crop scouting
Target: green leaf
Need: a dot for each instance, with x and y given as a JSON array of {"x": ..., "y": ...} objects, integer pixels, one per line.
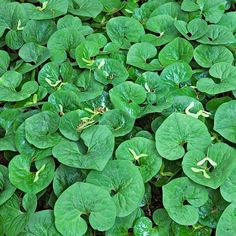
[
  {"x": 12, "y": 16},
  {"x": 178, "y": 50},
  {"x": 64, "y": 177},
  {"x": 6, "y": 188},
  {"x": 192, "y": 30},
  {"x": 221, "y": 80},
  {"x": 48, "y": 10},
  {"x": 142, "y": 226},
  {"x": 178, "y": 130},
  {"x": 65, "y": 99},
  {"x": 142, "y": 152},
  {"x": 226, "y": 225},
  {"x": 85, "y": 52},
  {"x": 212, "y": 11},
  {"x": 48, "y": 77},
  {"x": 211, "y": 168},
  {"x": 228, "y": 20},
  {"x": 93, "y": 203},
  {"x": 123, "y": 224},
  {"x": 138, "y": 55},
  {"x": 187, "y": 196},
  {"x": 163, "y": 221},
  {"x": 32, "y": 52},
  {"x": 92, "y": 152},
  {"x": 62, "y": 42},
  {"x": 119, "y": 122},
  {"x": 124, "y": 31},
  {"x": 29, "y": 202},
  {"x": 38, "y": 31},
  {"x": 176, "y": 73},
  {"x": 88, "y": 86},
  {"x": 41, "y": 223},
  {"x": 21, "y": 175},
  {"x": 217, "y": 35},
  {"x": 14, "y": 219},
  {"x": 163, "y": 27},
  {"x": 211, "y": 211},
  {"x": 124, "y": 183},
  {"x": 170, "y": 8},
  {"x": 88, "y": 8},
  {"x": 127, "y": 96},
  {"x": 5, "y": 61},
  {"x": 110, "y": 71},
  {"x": 225, "y": 120},
  {"x": 40, "y": 129},
  {"x": 207, "y": 55},
  {"x": 70, "y": 122},
  {"x": 228, "y": 188},
  {"x": 9, "y": 87},
  {"x": 112, "y": 6}
]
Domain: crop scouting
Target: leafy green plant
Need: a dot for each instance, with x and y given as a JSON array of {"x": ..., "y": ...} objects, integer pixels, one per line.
[{"x": 117, "y": 117}]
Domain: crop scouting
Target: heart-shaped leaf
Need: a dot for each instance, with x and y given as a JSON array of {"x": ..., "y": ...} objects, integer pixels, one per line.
[
  {"x": 188, "y": 196},
  {"x": 190, "y": 131},
  {"x": 211, "y": 168},
  {"x": 84, "y": 200},
  {"x": 124, "y": 183}
]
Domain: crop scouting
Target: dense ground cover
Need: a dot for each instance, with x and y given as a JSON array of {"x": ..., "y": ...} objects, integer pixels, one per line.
[{"x": 117, "y": 117}]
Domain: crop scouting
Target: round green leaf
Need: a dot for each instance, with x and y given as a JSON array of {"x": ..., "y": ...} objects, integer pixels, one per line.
[
  {"x": 38, "y": 31},
  {"x": 92, "y": 152},
  {"x": 23, "y": 178},
  {"x": 124, "y": 30},
  {"x": 70, "y": 122},
  {"x": 178, "y": 50},
  {"x": 178, "y": 130},
  {"x": 139, "y": 53},
  {"x": 9, "y": 87},
  {"x": 85, "y": 52},
  {"x": 65, "y": 100},
  {"x": 142, "y": 152},
  {"x": 32, "y": 52},
  {"x": 176, "y": 73},
  {"x": 14, "y": 219},
  {"x": 228, "y": 188},
  {"x": 41, "y": 223},
  {"x": 217, "y": 35},
  {"x": 63, "y": 41},
  {"x": 88, "y": 86},
  {"x": 49, "y": 10},
  {"x": 40, "y": 129},
  {"x": 225, "y": 120},
  {"x": 210, "y": 169},
  {"x": 142, "y": 226},
  {"x": 119, "y": 122},
  {"x": 211, "y": 211},
  {"x": 48, "y": 76},
  {"x": 193, "y": 30},
  {"x": 163, "y": 27},
  {"x": 127, "y": 96},
  {"x": 124, "y": 183},
  {"x": 110, "y": 71},
  {"x": 183, "y": 190},
  {"x": 223, "y": 79},
  {"x": 87, "y": 8},
  {"x": 226, "y": 225},
  {"x": 64, "y": 177},
  {"x": 207, "y": 55},
  {"x": 163, "y": 221},
  {"x": 5, "y": 61},
  {"x": 84, "y": 200},
  {"x": 6, "y": 188}
]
